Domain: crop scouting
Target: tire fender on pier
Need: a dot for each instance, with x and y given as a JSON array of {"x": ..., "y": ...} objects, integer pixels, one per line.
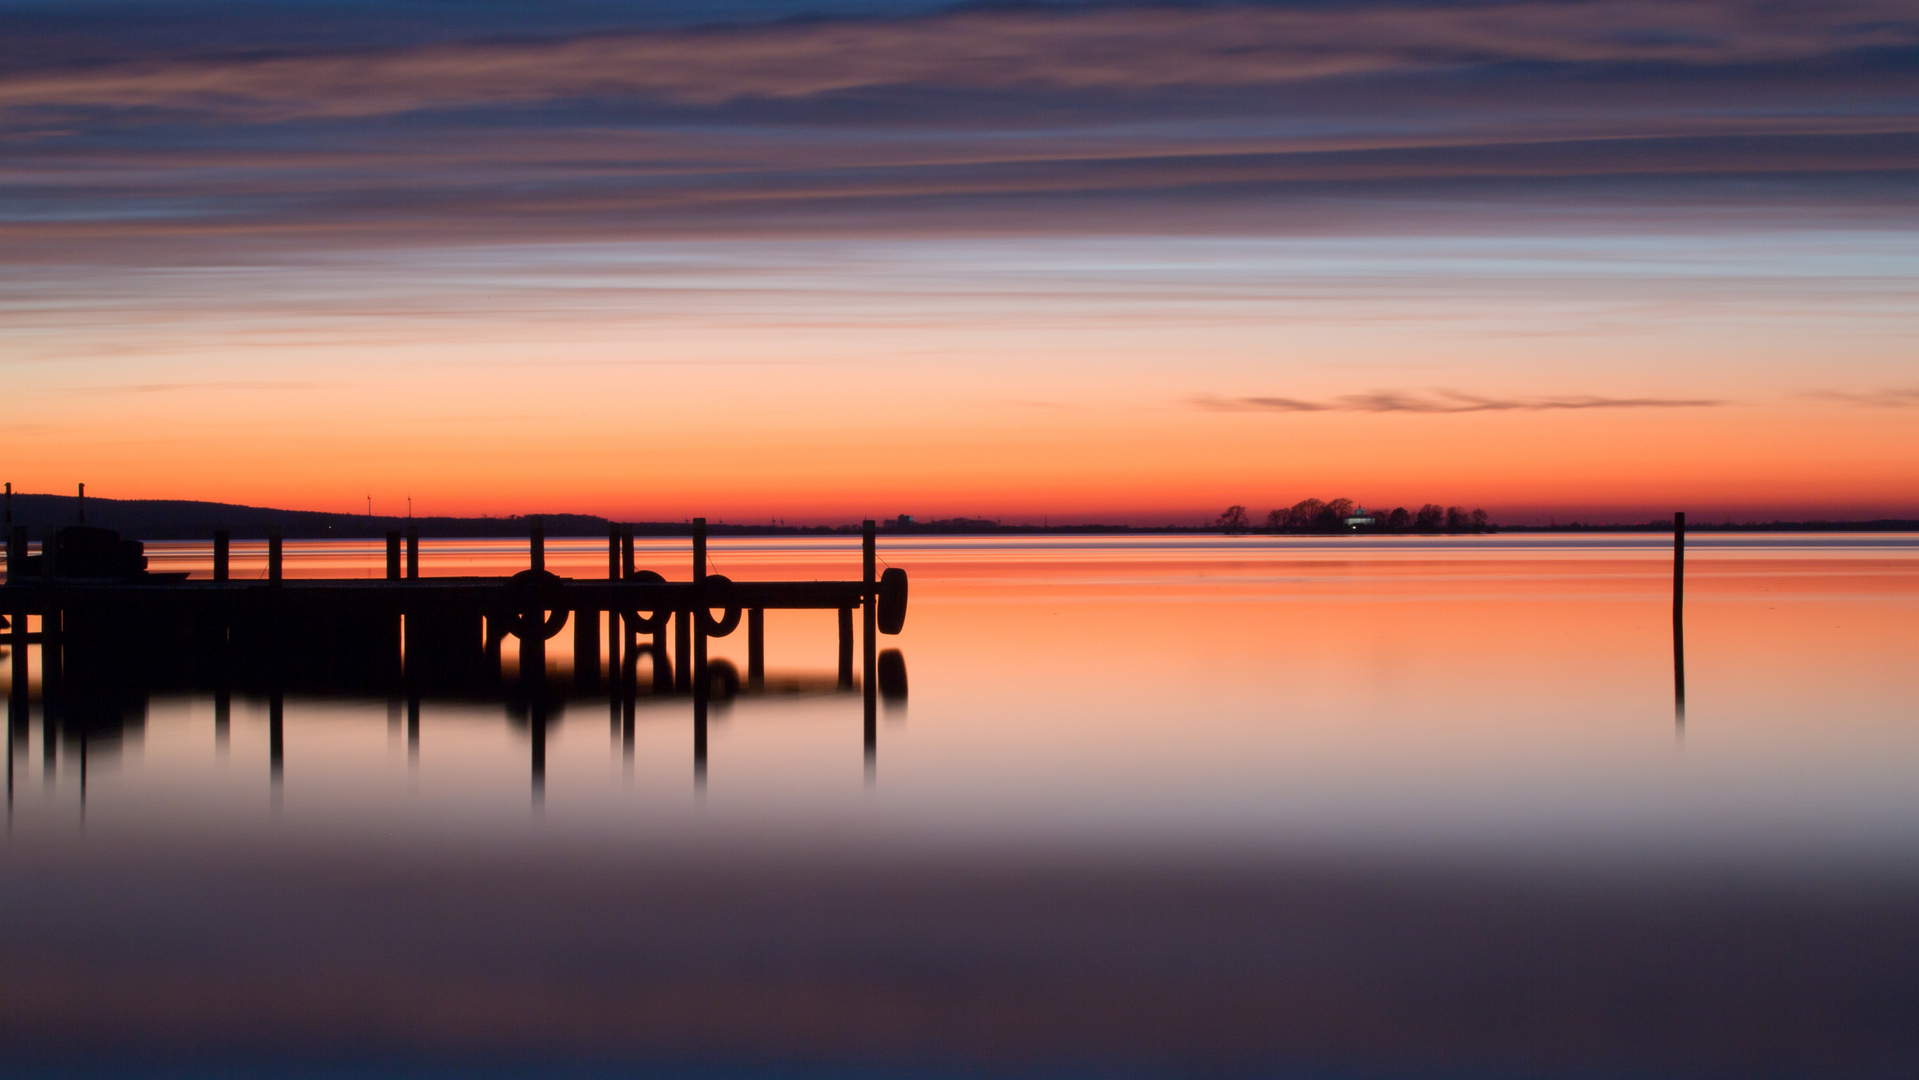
[
  {"x": 717, "y": 590},
  {"x": 892, "y": 600},
  {"x": 531, "y": 611},
  {"x": 655, "y": 622}
]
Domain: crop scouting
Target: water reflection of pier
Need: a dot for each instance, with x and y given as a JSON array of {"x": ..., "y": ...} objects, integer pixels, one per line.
[{"x": 105, "y": 644}]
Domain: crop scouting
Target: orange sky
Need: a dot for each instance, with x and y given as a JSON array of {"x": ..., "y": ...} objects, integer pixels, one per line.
[{"x": 1126, "y": 264}]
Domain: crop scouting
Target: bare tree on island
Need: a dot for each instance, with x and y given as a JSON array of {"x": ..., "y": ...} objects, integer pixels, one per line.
[{"x": 1234, "y": 520}]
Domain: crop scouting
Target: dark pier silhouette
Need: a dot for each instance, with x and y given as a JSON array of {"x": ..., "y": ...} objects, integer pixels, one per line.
[{"x": 111, "y": 632}]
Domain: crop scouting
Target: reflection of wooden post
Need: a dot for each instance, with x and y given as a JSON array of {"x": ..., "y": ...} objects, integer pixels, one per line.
[
  {"x": 1679, "y": 613},
  {"x": 412, "y": 552},
  {"x": 276, "y": 734},
  {"x": 393, "y": 554},
  {"x": 756, "y": 648},
  {"x": 222, "y": 551},
  {"x": 222, "y": 718},
  {"x": 846, "y": 649}
]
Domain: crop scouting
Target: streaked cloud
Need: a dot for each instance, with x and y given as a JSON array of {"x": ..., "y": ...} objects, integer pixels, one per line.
[
  {"x": 1194, "y": 118},
  {"x": 1898, "y": 397},
  {"x": 1125, "y": 48},
  {"x": 1445, "y": 401}
]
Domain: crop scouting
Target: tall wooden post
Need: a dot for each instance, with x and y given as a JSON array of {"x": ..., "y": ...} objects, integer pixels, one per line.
[
  {"x": 273, "y": 555},
  {"x": 48, "y": 553},
  {"x": 1679, "y": 614},
  {"x": 393, "y": 554},
  {"x": 412, "y": 552},
  {"x": 536, "y": 543},
  {"x": 222, "y": 554},
  {"x": 626, "y": 551},
  {"x": 17, "y": 553},
  {"x": 612, "y": 552},
  {"x": 82, "y": 505}
]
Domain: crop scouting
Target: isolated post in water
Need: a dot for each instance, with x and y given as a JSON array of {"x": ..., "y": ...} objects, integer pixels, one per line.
[
  {"x": 273, "y": 554},
  {"x": 412, "y": 552},
  {"x": 222, "y": 549},
  {"x": 393, "y": 554},
  {"x": 536, "y": 543},
  {"x": 1679, "y": 614}
]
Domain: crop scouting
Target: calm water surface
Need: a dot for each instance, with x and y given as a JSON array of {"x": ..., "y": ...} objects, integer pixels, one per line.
[{"x": 1378, "y": 806}]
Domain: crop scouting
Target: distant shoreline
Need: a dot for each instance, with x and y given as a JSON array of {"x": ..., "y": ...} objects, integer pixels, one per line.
[{"x": 167, "y": 519}]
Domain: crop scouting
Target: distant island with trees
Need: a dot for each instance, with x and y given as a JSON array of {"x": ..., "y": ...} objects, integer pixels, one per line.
[
  {"x": 1345, "y": 515},
  {"x": 173, "y": 519}
]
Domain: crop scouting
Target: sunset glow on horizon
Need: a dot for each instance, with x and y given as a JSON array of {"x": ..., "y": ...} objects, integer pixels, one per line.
[{"x": 1122, "y": 263}]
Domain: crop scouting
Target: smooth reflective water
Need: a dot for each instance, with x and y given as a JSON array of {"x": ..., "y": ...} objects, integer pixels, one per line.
[{"x": 1160, "y": 804}]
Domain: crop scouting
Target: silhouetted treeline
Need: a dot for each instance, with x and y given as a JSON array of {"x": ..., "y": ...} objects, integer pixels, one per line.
[{"x": 1346, "y": 516}]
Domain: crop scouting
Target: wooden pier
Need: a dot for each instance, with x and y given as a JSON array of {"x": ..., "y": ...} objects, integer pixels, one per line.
[{"x": 108, "y": 627}]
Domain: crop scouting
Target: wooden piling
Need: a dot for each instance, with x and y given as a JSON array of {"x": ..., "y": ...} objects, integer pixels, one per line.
[
  {"x": 612, "y": 552},
  {"x": 273, "y": 555},
  {"x": 222, "y": 545},
  {"x": 846, "y": 649},
  {"x": 393, "y": 555},
  {"x": 586, "y": 648},
  {"x": 82, "y": 504},
  {"x": 682, "y": 651},
  {"x": 412, "y": 552},
  {"x": 17, "y": 553},
  {"x": 536, "y": 544},
  {"x": 626, "y": 551},
  {"x": 47, "y": 555},
  {"x": 756, "y": 648}
]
